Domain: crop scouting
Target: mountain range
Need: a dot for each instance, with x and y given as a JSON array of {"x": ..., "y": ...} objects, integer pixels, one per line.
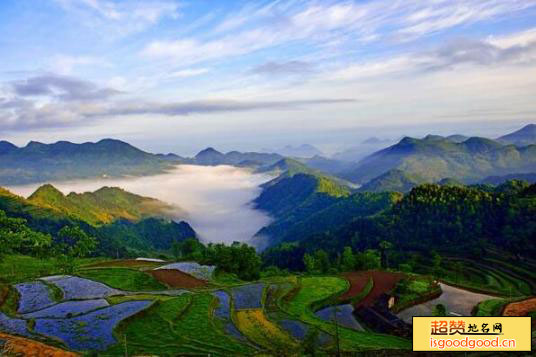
[
  {"x": 38, "y": 162},
  {"x": 434, "y": 157}
]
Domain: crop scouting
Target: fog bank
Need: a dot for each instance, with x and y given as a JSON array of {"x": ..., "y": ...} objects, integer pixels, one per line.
[{"x": 214, "y": 200}]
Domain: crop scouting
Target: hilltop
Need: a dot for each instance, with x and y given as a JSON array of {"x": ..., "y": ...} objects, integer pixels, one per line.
[{"x": 63, "y": 160}]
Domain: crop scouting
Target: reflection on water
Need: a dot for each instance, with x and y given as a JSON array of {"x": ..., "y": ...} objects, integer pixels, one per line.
[
  {"x": 457, "y": 301},
  {"x": 344, "y": 313}
]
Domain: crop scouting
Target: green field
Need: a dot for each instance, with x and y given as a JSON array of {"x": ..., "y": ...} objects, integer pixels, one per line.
[
  {"x": 186, "y": 325},
  {"x": 182, "y": 325},
  {"x": 315, "y": 290},
  {"x": 123, "y": 278}
]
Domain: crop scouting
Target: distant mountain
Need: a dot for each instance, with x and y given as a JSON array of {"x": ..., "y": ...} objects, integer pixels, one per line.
[
  {"x": 434, "y": 158},
  {"x": 38, "y": 162},
  {"x": 523, "y": 137},
  {"x": 449, "y": 181},
  {"x": 374, "y": 141},
  {"x": 457, "y": 138},
  {"x": 302, "y": 151},
  {"x": 358, "y": 152},
  {"x": 212, "y": 157},
  {"x": 497, "y": 180},
  {"x": 287, "y": 167},
  {"x": 102, "y": 206},
  {"x": 172, "y": 157},
  {"x": 6, "y": 147},
  {"x": 393, "y": 181},
  {"x": 330, "y": 166},
  {"x": 48, "y": 211}
]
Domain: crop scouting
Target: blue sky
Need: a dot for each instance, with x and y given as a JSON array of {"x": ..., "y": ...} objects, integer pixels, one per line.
[{"x": 181, "y": 75}]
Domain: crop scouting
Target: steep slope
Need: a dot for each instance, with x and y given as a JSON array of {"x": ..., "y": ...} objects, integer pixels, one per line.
[
  {"x": 522, "y": 137},
  {"x": 102, "y": 206},
  {"x": 37, "y": 162},
  {"x": 292, "y": 197},
  {"x": 434, "y": 158}
]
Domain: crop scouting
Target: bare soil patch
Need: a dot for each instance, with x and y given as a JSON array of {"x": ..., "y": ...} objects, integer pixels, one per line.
[
  {"x": 383, "y": 283},
  {"x": 18, "y": 346},
  {"x": 520, "y": 308},
  {"x": 177, "y": 279}
]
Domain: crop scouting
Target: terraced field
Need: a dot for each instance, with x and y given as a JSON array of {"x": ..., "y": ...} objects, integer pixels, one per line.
[
  {"x": 313, "y": 293},
  {"x": 113, "y": 309},
  {"x": 496, "y": 277}
]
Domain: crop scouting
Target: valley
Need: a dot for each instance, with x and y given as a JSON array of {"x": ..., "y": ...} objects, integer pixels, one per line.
[{"x": 249, "y": 254}]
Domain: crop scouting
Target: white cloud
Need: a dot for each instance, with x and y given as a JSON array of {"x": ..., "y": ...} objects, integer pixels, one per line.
[
  {"x": 319, "y": 23},
  {"x": 190, "y": 72},
  {"x": 64, "y": 64},
  {"x": 117, "y": 19}
]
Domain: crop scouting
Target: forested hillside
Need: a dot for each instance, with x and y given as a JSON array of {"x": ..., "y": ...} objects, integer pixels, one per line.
[
  {"x": 453, "y": 220},
  {"x": 124, "y": 224}
]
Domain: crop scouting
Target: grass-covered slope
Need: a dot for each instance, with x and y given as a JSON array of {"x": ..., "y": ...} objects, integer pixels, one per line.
[{"x": 102, "y": 206}]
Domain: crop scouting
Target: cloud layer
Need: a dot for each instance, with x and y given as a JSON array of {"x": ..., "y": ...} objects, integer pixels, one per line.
[{"x": 214, "y": 200}]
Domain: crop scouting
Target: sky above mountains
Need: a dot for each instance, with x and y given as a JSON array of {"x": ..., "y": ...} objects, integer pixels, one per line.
[{"x": 181, "y": 75}]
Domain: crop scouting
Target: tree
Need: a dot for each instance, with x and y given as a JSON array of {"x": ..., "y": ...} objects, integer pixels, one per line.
[
  {"x": 74, "y": 242},
  {"x": 310, "y": 263},
  {"x": 436, "y": 263},
  {"x": 384, "y": 247},
  {"x": 369, "y": 259},
  {"x": 322, "y": 261},
  {"x": 440, "y": 310},
  {"x": 347, "y": 259},
  {"x": 15, "y": 236},
  {"x": 176, "y": 250}
]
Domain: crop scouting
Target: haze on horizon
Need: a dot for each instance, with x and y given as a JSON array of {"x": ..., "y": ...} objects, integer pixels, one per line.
[
  {"x": 214, "y": 200},
  {"x": 181, "y": 75}
]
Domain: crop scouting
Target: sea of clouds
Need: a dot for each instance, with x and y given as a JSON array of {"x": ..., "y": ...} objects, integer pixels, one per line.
[{"x": 214, "y": 200}]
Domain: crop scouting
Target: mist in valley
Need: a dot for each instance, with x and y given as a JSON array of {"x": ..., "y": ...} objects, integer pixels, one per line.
[{"x": 214, "y": 200}]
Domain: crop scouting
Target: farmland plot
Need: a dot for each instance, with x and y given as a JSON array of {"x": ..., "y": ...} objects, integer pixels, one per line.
[
  {"x": 254, "y": 324},
  {"x": 124, "y": 279},
  {"x": 248, "y": 296},
  {"x": 13, "y": 326},
  {"x": 317, "y": 289},
  {"x": 67, "y": 309},
  {"x": 178, "y": 326},
  {"x": 79, "y": 288},
  {"x": 203, "y": 272},
  {"x": 92, "y": 331},
  {"x": 33, "y": 296},
  {"x": 344, "y": 315}
]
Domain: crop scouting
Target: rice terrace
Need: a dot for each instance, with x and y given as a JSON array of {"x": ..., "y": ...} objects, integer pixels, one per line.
[
  {"x": 114, "y": 307},
  {"x": 267, "y": 178}
]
